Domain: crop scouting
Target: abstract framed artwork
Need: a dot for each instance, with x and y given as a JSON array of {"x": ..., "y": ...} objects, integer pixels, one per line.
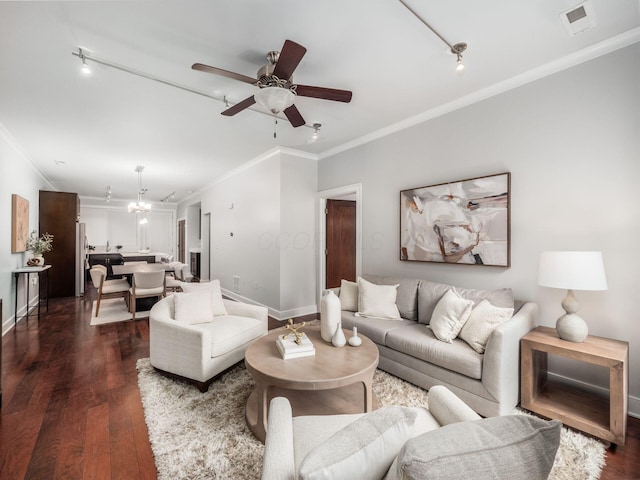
[
  {"x": 19, "y": 223},
  {"x": 461, "y": 222}
]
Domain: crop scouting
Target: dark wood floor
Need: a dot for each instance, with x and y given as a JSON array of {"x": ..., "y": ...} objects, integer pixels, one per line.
[{"x": 71, "y": 406}]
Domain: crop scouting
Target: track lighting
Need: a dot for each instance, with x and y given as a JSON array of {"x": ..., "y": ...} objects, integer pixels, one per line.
[
  {"x": 314, "y": 137},
  {"x": 108, "y": 196},
  {"x": 457, "y": 49},
  {"x": 85, "y": 67}
]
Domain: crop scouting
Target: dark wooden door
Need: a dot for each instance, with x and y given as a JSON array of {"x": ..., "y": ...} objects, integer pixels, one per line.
[
  {"x": 341, "y": 242},
  {"x": 181, "y": 239},
  {"x": 58, "y": 215}
]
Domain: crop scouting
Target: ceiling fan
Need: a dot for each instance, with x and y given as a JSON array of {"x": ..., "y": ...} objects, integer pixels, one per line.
[{"x": 277, "y": 90}]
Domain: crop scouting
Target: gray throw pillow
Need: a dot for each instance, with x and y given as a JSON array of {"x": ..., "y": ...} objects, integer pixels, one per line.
[{"x": 513, "y": 447}]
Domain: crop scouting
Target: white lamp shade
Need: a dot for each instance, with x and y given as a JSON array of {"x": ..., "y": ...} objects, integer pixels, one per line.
[
  {"x": 275, "y": 99},
  {"x": 572, "y": 270}
]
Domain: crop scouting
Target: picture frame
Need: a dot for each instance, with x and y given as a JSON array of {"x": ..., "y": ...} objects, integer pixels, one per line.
[
  {"x": 19, "y": 223},
  {"x": 464, "y": 222}
]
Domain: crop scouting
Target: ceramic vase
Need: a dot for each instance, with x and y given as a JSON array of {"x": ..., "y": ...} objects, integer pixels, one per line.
[
  {"x": 355, "y": 340},
  {"x": 339, "y": 339},
  {"x": 38, "y": 259},
  {"x": 329, "y": 315}
]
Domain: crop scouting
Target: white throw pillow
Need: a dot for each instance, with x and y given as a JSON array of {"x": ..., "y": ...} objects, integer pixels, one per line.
[
  {"x": 363, "y": 449},
  {"x": 484, "y": 319},
  {"x": 377, "y": 300},
  {"x": 217, "y": 305},
  {"x": 349, "y": 295},
  {"x": 449, "y": 316},
  {"x": 194, "y": 307}
]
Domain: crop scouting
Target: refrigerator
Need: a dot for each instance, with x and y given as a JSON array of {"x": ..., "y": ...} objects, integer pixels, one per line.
[{"x": 81, "y": 258}]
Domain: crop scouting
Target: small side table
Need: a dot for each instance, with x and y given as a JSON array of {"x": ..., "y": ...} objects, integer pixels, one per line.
[
  {"x": 574, "y": 407},
  {"x": 28, "y": 270}
]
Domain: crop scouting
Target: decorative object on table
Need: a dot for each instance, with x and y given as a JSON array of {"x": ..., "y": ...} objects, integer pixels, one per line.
[
  {"x": 339, "y": 339},
  {"x": 19, "y": 223},
  {"x": 572, "y": 271},
  {"x": 355, "y": 340},
  {"x": 329, "y": 315},
  {"x": 91, "y": 247},
  {"x": 118, "y": 247},
  {"x": 466, "y": 221},
  {"x": 38, "y": 246},
  {"x": 298, "y": 345},
  {"x": 293, "y": 330}
]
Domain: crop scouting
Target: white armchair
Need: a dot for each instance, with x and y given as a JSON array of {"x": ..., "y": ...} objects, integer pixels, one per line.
[{"x": 202, "y": 351}]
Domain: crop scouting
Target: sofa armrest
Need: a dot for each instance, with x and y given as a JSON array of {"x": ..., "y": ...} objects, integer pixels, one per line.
[
  {"x": 241, "y": 309},
  {"x": 178, "y": 347},
  {"x": 447, "y": 408},
  {"x": 501, "y": 365},
  {"x": 279, "y": 462}
]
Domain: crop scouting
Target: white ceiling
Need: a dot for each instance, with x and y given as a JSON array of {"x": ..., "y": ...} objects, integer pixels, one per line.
[{"x": 103, "y": 125}]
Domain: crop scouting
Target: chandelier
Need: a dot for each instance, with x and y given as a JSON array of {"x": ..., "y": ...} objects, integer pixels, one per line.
[{"x": 140, "y": 206}]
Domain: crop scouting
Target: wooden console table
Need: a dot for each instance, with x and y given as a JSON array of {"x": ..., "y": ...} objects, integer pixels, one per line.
[
  {"x": 29, "y": 270},
  {"x": 574, "y": 407}
]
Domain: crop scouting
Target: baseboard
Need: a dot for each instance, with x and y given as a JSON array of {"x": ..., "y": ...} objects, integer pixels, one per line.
[
  {"x": 634, "y": 402},
  {"x": 9, "y": 323},
  {"x": 281, "y": 315}
]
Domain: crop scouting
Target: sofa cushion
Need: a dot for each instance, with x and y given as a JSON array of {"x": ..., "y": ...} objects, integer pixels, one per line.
[
  {"x": 429, "y": 293},
  {"x": 450, "y": 314},
  {"x": 229, "y": 332},
  {"x": 348, "y": 296},
  {"x": 365, "y": 448},
  {"x": 407, "y": 298},
  {"x": 484, "y": 319},
  {"x": 377, "y": 301},
  {"x": 420, "y": 342},
  {"x": 375, "y": 329},
  {"x": 193, "y": 308},
  {"x": 515, "y": 447}
]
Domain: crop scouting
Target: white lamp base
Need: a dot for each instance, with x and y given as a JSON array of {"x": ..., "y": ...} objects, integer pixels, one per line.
[{"x": 572, "y": 328}]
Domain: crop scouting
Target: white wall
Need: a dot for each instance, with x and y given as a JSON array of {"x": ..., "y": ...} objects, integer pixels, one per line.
[
  {"x": 112, "y": 222},
  {"x": 17, "y": 175},
  {"x": 297, "y": 239},
  {"x": 571, "y": 142}
]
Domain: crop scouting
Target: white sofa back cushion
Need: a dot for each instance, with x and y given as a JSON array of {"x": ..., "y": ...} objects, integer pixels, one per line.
[
  {"x": 449, "y": 316},
  {"x": 213, "y": 287},
  {"x": 193, "y": 308},
  {"x": 377, "y": 300}
]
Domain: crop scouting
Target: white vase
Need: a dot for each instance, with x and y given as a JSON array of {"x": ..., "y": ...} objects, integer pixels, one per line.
[
  {"x": 329, "y": 315},
  {"x": 38, "y": 259},
  {"x": 355, "y": 340},
  {"x": 339, "y": 339}
]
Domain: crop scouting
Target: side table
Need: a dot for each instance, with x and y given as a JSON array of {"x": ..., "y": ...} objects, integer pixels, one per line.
[
  {"x": 29, "y": 270},
  {"x": 575, "y": 407}
]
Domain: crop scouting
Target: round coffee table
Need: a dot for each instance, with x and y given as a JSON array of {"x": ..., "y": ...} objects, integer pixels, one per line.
[{"x": 334, "y": 380}]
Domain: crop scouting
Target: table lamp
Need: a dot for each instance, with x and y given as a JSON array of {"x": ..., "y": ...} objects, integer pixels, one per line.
[{"x": 572, "y": 271}]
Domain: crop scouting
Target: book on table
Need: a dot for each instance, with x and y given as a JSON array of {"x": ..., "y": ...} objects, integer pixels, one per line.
[{"x": 288, "y": 347}]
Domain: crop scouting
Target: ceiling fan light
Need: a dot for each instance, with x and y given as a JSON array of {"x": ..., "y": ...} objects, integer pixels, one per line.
[{"x": 275, "y": 99}]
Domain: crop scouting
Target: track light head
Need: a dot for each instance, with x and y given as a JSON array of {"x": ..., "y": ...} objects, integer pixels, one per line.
[{"x": 458, "y": 49}]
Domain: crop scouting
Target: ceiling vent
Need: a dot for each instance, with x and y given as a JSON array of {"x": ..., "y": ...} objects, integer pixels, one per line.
[{"x": 579, "y": 18}]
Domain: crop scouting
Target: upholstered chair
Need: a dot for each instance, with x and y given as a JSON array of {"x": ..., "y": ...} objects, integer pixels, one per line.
[
  {"x": 107, "y": 288},
  {"x": 145, "y": 285}
]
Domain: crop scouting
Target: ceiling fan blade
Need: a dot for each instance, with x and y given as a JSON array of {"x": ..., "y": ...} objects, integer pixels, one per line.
[
  {"x": 293, "y": 115},
  {"x": 289, "y": 58},
  {"x": 238, "y": 107},
  {"x": 324, "y": 93},
  {"x": 224, "y": 73}
]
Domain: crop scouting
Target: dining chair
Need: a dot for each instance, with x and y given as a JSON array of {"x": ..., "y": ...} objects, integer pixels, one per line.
[
  {"x": 107, "y": 288},
  {"x": 144, "y": 285}
]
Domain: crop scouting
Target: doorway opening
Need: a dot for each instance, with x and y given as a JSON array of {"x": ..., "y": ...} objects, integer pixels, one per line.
[{"x": 347, "y": 201}]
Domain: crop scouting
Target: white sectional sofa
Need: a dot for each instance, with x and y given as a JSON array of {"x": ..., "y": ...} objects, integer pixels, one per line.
[{"x": 488, "y": 382}]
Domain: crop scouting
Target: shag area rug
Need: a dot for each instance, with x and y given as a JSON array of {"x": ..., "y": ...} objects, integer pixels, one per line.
[
  {"x": 204, "y": 435},
  {"x": 113, "y": 310}
]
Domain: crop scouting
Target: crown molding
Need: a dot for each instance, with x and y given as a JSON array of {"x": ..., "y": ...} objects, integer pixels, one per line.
[
  {"x": 607, "y": 46},
  {"x": 22, "y": 153}
]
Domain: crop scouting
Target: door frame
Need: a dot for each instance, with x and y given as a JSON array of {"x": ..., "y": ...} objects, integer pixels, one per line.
[{"x": 323, "y": 196}]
